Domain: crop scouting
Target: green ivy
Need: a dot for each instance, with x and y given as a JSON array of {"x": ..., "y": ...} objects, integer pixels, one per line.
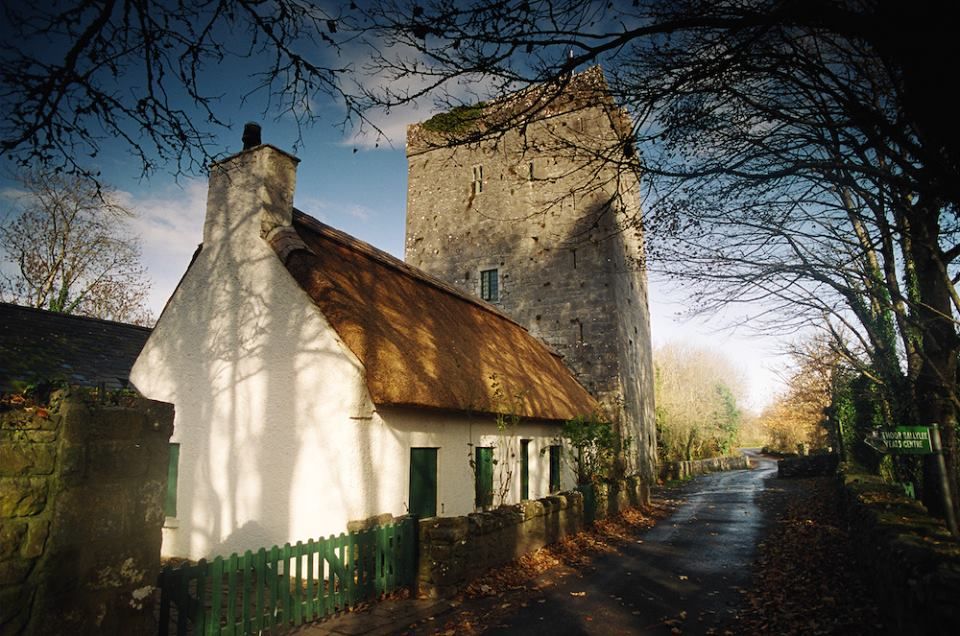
[
  {"x": 458, "y": 120},
  {"x": 593, "y": 447}
]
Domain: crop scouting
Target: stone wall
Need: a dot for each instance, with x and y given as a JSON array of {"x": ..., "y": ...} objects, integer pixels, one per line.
[
  {"x": 911, "y": 559},
  {"x": 692, "y": 468},
  {"x": 81, "y": 508},
  {"x": 562, "y": 230},
  {"x": 807, "y": 466},
  {"x": 454, "y": 550}
]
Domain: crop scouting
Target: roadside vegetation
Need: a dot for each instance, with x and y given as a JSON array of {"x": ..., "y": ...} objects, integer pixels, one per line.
[
  {"x": 698, "y": 393},
  {"x": 796, "y": 421}
]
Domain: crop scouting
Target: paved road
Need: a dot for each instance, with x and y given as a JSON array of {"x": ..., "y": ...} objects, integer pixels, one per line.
[{"x": 682, "y": 576}]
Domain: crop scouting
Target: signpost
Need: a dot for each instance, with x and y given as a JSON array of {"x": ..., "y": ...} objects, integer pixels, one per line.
[
  {"x": 908, "y": 440},
  {"x": 917, "y": 440}
]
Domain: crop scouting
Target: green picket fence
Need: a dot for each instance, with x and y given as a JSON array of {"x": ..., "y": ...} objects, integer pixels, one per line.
[{"x": 287, "y": 586}]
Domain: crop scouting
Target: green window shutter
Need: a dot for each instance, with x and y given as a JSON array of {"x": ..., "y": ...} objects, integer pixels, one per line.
[
  {"x": 173, "y": 468},
  {"x": 554, "y": 469},
  {"x": 423, "y": 482},
  {"x": 484, "y": 476},
  {"x": 524, "y": 469}
]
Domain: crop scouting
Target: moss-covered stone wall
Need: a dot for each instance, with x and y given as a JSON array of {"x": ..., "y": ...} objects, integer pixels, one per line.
[
  {"x": 910, "y": 557},
  {"x": 694, "y": 467},
  {"x": 455, "y": 550},
  {"x": 81, "y": 508}
]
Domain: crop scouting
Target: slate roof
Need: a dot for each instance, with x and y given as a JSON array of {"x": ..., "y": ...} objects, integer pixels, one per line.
[
  {"x": 422, "y": 342},
  {"x": 37, "y": 345}
]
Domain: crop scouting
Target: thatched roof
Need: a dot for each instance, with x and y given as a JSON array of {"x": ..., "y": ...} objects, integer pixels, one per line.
[{"x": 422, "y": 342}]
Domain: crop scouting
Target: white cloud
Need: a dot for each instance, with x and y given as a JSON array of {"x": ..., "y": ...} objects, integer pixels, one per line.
[
  {"x": 392, "y": 124},
  {"x": 314, "y": 206},
  {"x": 170, "y": 226},
  {"x": 332, "y": 213},
  {"x": 358, "y": 211},
  {"x": 12, "y": 194}
]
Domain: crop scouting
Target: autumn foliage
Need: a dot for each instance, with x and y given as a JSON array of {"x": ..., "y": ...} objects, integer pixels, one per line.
[
  {"x": 797, "y": 419},
  {"x": 698, "y": 415}
]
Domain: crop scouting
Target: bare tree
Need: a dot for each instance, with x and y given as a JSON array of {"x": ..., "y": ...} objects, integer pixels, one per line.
[
  {"x": 77, "y": 75},
  {"x": 697, "y": 392},
  {"x": 66, "y": 249},
  {"x": 796, "y": 153}
]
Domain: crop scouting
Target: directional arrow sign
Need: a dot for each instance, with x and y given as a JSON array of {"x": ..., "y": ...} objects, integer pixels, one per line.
[
  {"x": 874, "y": 441},
  {"x": 908, "y": 440}
]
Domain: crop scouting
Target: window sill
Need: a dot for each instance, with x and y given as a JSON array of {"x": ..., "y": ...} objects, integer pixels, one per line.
[{"x": 171, "y": 523}]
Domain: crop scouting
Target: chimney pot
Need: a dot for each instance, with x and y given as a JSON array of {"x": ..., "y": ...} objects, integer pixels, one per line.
[{"x": 251, "y": 135}]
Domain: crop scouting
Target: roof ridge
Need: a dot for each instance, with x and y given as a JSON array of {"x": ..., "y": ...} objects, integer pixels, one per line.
[
  {"x": 58, "y": 314},
  {"x": 403, "y": 267}
]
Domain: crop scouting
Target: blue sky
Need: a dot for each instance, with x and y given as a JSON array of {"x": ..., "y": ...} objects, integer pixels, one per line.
[{"x": 357, "y": 184}]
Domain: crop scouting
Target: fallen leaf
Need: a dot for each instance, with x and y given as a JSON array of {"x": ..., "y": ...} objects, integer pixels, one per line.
[{"x": 578, "y": 593}]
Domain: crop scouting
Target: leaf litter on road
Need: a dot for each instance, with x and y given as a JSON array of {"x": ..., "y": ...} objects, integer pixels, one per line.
[
  {"x": 805, "y": 581},
  {"x": 481, "y": 605}
]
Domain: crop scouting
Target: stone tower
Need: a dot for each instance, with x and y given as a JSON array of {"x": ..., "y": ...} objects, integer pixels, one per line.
[{"x": 542, "y": 220}]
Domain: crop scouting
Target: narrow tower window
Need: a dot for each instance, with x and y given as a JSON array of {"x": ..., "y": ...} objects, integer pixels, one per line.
[
  {"x": 489, "y": 285},
  {"x": 477, "y": 183}
]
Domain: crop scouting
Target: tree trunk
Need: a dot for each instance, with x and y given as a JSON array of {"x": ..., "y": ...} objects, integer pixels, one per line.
[{"x": 936, "y": 381}]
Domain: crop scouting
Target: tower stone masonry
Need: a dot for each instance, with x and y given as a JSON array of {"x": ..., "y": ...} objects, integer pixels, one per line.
[{"x": 542, "y": 220}]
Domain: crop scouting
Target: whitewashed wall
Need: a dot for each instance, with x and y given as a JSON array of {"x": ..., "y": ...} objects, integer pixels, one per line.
[
  {"x": 279, "y": 440},
  {"x": 456, "y": 436}
]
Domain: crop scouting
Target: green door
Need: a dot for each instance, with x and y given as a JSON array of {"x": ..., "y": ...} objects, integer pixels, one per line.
[
  {"x": 423, "y": 482},
  {"x": 524, "y": 469},
  {"x": 554, "y": 469},
  {"x": 484, "y": 474}
]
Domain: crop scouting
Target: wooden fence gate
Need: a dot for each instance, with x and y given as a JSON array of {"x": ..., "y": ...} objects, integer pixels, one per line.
[{"x": 286, "y": 586}]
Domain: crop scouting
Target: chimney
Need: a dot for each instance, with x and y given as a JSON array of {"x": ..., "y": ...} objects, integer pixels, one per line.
[
  {"x": 250, "y": 193},
  {"x": 251, "y": 135}
]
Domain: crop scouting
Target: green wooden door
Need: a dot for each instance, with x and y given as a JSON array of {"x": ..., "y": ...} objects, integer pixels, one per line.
[
  {"x": 483, "y": 470},
  {"x": 554, "y": 469},
  {"x": 423, "y": 482},
  {"x": 524, "y": 469}
]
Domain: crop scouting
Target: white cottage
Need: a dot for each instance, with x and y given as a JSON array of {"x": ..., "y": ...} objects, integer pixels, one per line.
[{"x": 318, "y": 380}]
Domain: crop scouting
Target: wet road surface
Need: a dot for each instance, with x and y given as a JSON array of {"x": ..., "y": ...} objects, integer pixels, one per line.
[{"x": 682, "y": 576}]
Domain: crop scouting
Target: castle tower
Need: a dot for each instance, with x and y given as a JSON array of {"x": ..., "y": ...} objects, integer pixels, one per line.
[{"x": 542, "y": 220}]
